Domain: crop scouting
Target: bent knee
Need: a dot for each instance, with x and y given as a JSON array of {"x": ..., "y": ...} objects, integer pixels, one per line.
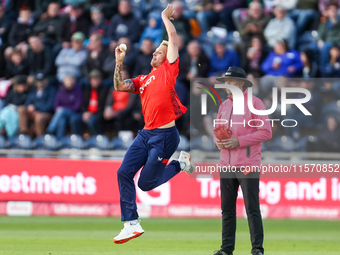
[
  {"x": 21, "y": 109},
  {"x": 145, "y": 186},
  {"x": 121, "y": 172}
]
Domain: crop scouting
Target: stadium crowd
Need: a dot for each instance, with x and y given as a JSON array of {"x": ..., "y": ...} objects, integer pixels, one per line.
[{"x": 57, "y": 60}]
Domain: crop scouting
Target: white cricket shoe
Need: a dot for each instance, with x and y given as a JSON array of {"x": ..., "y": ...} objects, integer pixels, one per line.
[
  {"x": 129, "y": 232},
  {"x": 185, "y": 158}
]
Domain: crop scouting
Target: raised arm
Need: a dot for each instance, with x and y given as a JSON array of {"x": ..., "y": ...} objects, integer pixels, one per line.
[
  {"x": 172, "y": 53},
  {"x": 119, "y": 83}
]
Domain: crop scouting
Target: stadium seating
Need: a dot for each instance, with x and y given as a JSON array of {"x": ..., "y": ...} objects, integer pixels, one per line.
[
  {"x": 100, "y": 142},
  {"x": 203, "y": 143},
  {"x": 46, "y": 142},
  {"x": 72, "y": 142},
  {"x": 231, "y": 39},
  {"x": 23, "y": 142},
  {"x": 123, "y": 141},
  {"x": 184, "y": 144},
  {"x": 283, "y": 144},
  {"x": 119, "y": 144}
]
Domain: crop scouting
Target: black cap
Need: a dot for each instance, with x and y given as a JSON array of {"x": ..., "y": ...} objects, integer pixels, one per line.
[{"x": 236, "y": 73}]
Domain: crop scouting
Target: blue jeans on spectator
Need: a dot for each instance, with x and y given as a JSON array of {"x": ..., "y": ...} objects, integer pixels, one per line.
[
  {"x": 302, "y": 18},
  {"x": 189, "y": 14},
  {"x": 323, "y": 53},
  {"x": 59, "y": 122},
  {"x": 202, "y": 19},
  {"x": 95, "y": 123}
]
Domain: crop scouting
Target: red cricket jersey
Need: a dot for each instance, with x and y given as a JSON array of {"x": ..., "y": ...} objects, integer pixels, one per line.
[{"x": 160, "y": 102}]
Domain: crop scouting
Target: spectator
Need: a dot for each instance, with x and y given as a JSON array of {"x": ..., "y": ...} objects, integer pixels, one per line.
[
  {"x": 282, "y": 62},
  {"x": 5, "y": 25},
  {"x": 304, "y": 13},
  {"x": 137, "y": 116},
  {"x": 119, "y": 107},
  {"x": 154, "y": 29},
  {"x": 94, "y": 98},
  {"x": 50, "y": 28},
  {"x": 40, "y": 58},
  {"x": 332, "y": 69},
  {"x": 221, "y": 59},
  {"x": 13, "y": 7},
  {"x": 19, "y": 32},
  {"x": 98, "y": 21},
  {"x": 70, "y": 60},
  {"x": 281, "y": 27},
  {"x": 194, "y": 64},
  {"x": 42, "y": 6},
  {"x": 328, "y": 33},
  {"x": 322, "y": 4},
  {"x": 310, "y": 67},
  {"x": 222, "y": 10},
  {"x": 14, "y": 103},
  {"x": 144, "y": 57},
  {"x": 67, "y": 105},
  {"x": 77, "y": 22},
  {"x": 180, "y": 22},
  {"x": 96, "y": 55},
  {"x": 288, "y": 5},
  {"x": 129, "y": 60},
  {"x": 253, "y": 57},
  {"x": 197, "y": 10},
  {"x": 39, "y": 106},
  {"x": 328, "y": 139},
  {"x": 16, "y": 65},
  {"x": 255, "y": 23},
  {"x": 107, "y": 7},
  {"x": 123, "y": 24}
]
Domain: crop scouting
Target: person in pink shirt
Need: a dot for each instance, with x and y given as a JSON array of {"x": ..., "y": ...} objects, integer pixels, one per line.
[{"x": 241, "y": 154}]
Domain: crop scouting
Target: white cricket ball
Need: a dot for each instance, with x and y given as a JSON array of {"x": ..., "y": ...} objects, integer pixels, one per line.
[{"x": 122, "y": 47}]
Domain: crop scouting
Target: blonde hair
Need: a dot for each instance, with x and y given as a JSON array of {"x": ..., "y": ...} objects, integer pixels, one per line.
[{"x": 165, "y": 43}]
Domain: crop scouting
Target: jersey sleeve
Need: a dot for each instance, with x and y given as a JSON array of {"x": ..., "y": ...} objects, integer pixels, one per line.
[
  {"x": 136, "y": 81},
  {"x": 172, "y": 68}
]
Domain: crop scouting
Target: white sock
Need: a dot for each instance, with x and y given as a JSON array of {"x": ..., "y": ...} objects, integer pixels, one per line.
[
  {"x": 133, "y": 222},
  {"x": 182, "y": 164}
]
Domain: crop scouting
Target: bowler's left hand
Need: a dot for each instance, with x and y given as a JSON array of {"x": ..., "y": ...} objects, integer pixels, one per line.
[{"x": 232, "y": 143}]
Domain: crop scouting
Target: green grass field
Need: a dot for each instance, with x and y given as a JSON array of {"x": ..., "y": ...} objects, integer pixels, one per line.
[{"x": 69, "y": 235}]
